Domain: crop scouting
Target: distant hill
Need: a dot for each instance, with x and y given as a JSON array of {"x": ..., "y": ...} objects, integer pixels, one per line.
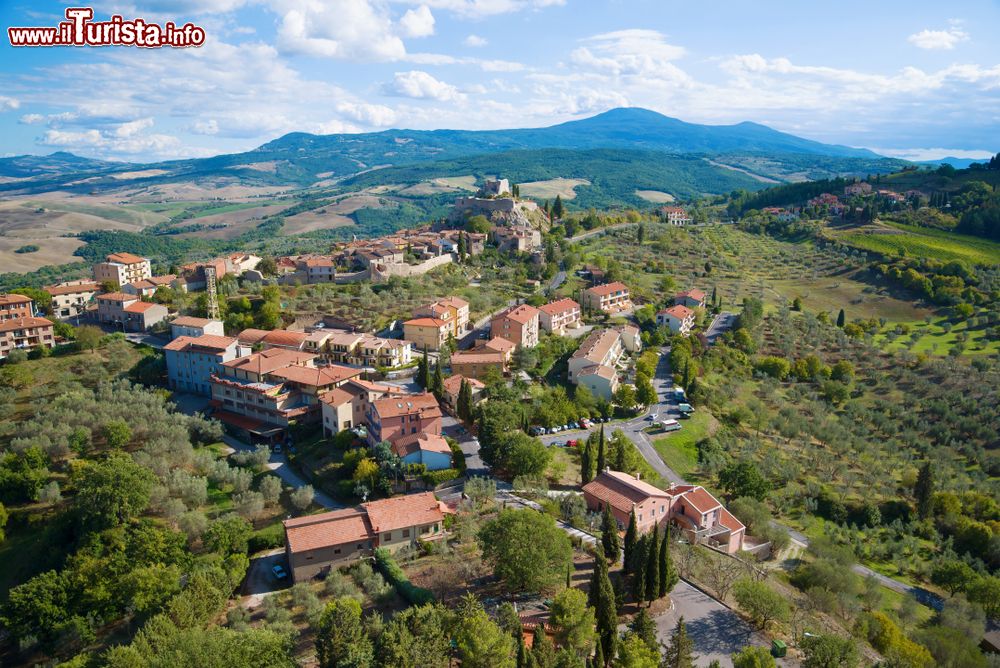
[{"x": 301, "y": 159}]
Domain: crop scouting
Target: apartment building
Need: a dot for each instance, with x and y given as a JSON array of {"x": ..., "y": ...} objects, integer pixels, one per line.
[
  {"x": 193, "y": 360},
  {"x": 559, "y": 316},
  {"x": 346, "y": 407},
  {"x": 394, "y": 417},
  {"x": 187, "y": 325},
  {"x": 680, "y": 319},
  {"x": 128, "y": 312},
  {"x": 70, "y": 299},
  {"x": 453, "y": 310},
  {"x": 609, "y": 297},
  {"x": 518, "y": 324},
  {"x": 477, "y": 363},
  {"x": 14, "y": 306},
  {"x": 595, "y": 363},
  {"x": 25, "y": 333},
  {"x": 428, "y": 333},
  {"x": 122, "y": 268}
]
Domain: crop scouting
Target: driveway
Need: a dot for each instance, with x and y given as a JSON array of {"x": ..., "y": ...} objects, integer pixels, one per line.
[
  {"x": 260, "y": 581},
  {"x": 474, "y": 465},
  {"x": 720, "y": 324}
]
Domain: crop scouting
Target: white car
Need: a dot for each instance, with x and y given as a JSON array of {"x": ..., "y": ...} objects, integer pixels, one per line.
[{"x": 651, "y": 417}]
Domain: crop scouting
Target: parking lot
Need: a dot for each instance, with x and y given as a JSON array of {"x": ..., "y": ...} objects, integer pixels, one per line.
[{"x": 260, "y": 581}]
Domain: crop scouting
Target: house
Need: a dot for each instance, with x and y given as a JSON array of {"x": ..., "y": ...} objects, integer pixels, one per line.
[
  {"x": 558, "y": 316},
  {"x": 394, "y": 417},
  {"x": 147, "y": 287},
  {"x": 453, "y": 310},
  {"x": 477, "y": 364},
  {"x": 431, "y": 450},
  {"x": 314, "y": 544},
  {"x": 187, "y": 325},
  {"x": 595, "y": 363},
  {"x": 517, "y": 324},
  {"x": 126, "y": 311},
  {"x": 675, "y": 215},
  {"x": 609, "y": 297},
  {"x": 283, "y": 338},
  {"x": 602, "y": 381},
  {"x": 70, "y": 299},
  {"x": 497, "y": 344},
  {"x": 346, "y": 407},
  {"x": 693, "y": 298},
  {"x": 122, "y": 268},
  {"x": 15, "y": 307},
  {"x": 857, "y": 189},
  {"x": 680, "y": 319},
  {"x": 193, "y": 360},
  {"x": 631, "y": 338},
  {"x": 452, "y": 385},
  {"x": 516, "y": 238},
  {"x": 25, "y": 333},
  {"x": 375, "y": 351},
  {"x": 690, "y": 509},
  {"x": 427, "y": 333}
]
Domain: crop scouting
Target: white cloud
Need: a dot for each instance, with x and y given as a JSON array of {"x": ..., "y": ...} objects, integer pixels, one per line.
[
  {"x": 422, "y": 86},
  {"x": 417, "y": 22},
  {"x": 125, "y": 139},
  {"x": 475, "y": 41},
  {"x": 133, "y": 128},
  {"x": 344, "y": 29},
  {"x": 63, "y": 138},
  {"x": 637, "y": 52},
  {"x": 31, "y": 119},
  {"x": 938, "y": 39},
  {"x": 334, "y": 126},
  {"x": 376, "y": 115},
  {"x": 477, "y": 9},
  {"x": 8, "y": 103},
  {"x": 209, "y": 127}
]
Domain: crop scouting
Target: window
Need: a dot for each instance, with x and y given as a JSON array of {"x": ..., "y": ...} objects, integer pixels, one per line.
[
  {"x": 337, "y": 551},
  {"x": 387, "y": 536},
  {"x": 406, "y": 533}
]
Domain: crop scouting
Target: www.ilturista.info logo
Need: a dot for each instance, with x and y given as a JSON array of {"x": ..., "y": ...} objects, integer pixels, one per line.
[{"x": 80, "y": 30}]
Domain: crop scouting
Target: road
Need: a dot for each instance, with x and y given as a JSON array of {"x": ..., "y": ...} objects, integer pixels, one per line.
[
  {"x": 721, "y": 323},
  {"x": 600, "y": 230},
  {"x": 278, "y": 464},
  {"x": 481, "y": 327}
]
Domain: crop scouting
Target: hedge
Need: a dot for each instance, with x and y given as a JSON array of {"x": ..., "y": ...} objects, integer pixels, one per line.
[
  {"x": 411, "y": 593},
  {"x": 435, "y": 478}
]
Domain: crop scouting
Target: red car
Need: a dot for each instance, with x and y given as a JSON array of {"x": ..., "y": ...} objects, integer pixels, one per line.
[{"x": 572, "y": 443}]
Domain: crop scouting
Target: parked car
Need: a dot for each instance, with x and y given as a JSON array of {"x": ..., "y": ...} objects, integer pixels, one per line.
[
  {"x": 536, "y": 431},
  {"x": 572, "y": 443},
  {"x": 651, "y": 417},
  {"x": 685, "y": 408},
  {"x": 586, "y": 424},
  {"x": 574, "y": 425},
  {"x": 555, "y": 430},
  {"x": 279, "y": 572},
  {"x": 566, "y": 427},
  {"x": 670, "y": 425},
  {"x": 276, "y": 448}
]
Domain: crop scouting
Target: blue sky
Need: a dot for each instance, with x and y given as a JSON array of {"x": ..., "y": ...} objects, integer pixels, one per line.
[{"x": 910, "y": 79}]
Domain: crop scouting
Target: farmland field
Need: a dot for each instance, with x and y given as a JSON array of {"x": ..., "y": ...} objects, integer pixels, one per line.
[
  {"x": 565, "y": 188},
  {"x": 927, "y": 243},
  {"x": 655, "y": 196}
]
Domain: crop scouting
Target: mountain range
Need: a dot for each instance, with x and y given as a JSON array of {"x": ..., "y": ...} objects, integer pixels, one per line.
[{"x": 300, "y": 159}]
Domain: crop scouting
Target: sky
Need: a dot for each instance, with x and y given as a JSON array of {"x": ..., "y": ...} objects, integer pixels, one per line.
[{"x": 912, "y": 79}]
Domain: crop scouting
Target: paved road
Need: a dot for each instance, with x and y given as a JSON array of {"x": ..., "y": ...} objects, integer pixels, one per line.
[
  {"x": 724, "y": 321},
  {"x": 481, "y": 327},
  {"x": 556, "y": 281}
]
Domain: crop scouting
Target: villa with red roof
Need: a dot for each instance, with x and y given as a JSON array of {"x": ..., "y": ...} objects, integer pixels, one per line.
[
  {"x": 518, "y": 324},
  {"x": 128, "y": 312},
  {"x": 609, "y": 297},
  {"x": 680, "y": 319},
  {"x": 693, "y": 298},
  {"x": 392, "y": 418},
  {"x": 688, "y": 508},
  {"x": 558, "y": 316}
]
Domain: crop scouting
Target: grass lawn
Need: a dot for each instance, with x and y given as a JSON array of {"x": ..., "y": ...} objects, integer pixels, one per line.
[
  {"x": 932, "y": 338},
  {"x": 926, "y": 242},
  {"x": 678, "y": 448}
]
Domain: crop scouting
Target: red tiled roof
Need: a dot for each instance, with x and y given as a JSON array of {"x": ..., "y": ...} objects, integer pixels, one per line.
[
  {"x": 464, "y": 357},
  {"x": 426, "y": 322},
  {"x": 500, "y": 345},
  {"x": 727, "y": 520},
  {"x": 453, "y": 384},
  {"x": 608, "y": 288},
  {"x": 402, "y": 512},
  {"x": 117, "y": 297},
  {"x": 694, "y": 293},
  {"x": 125, "y": 258},
  {"x": 56, "y": 290},
  {"x": 316, "y": 376},
  {"x": 559, "y": 306},
  {"x": 679, "y": 311},
  {"x": 267, "y": 361},
  {"x": 522, "y": 314},
  {"x": 251, "y": 336},
  {"x": 283, "y": 337},
  {"x": 338, "y": 527},
  {"x": 13, "y": 298},
  {"x": 22, "y": 323},
  {"x": 701, "y": 500},
  {"x": 411, "y": 443},
  {"x": 190, "y": 321},
  {"x": 205, "y": 341},
  {"x": 391, "y": 407},
  {"x": 338, "y": 396},
  {"x": 621, "y": 490},
  {"x": 140, "y": 307}
]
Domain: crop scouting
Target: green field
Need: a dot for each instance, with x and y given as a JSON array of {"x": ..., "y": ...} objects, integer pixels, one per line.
[
  {"x": 926, "y": 242},
  {"x": 935, "y": 339},
  {"x": 678, "y": 448}
]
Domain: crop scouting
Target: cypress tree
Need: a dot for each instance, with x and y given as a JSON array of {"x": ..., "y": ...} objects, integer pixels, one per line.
[
  {"x": 631, "y": 538},
  {"x": 522, "y": 652},
  {"x": 715, "y": 295},
  {"x": 424, "y": 371},
  {"x": 557, "y": 207},
  {"x": 840, "y": 318},
  {"x": 437, "y": 380},
  {"x": 644, "y": 627},
  {"x": 603, "y": 600},
  {"x": 639, "y": 570},
  {"x": 543, "y": 652},
  {"x": 680, "y": 651},
  {"x": 653, "y": 567},
  {"x": 586, "y": 462},
  {"x": 923, "y": 491},
  {"x": 609, "y": 535},
  {"x": 465, "y": 401},
  {"x": 598, "y": 660},
  {"x": 601, "y": 457},
  {"x": 668, "y": 576}
]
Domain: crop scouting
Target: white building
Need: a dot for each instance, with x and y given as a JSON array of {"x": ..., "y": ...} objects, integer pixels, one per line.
[{"x": 192, "y": 360}]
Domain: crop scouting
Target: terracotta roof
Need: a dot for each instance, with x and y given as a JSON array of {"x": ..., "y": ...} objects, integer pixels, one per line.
[
  {"x": 125, "y": 258},
  {"x": 727, "y": 520},
  {"x": 559, "y": 306},
  {"x": 341, "y": 338},
  {"x": 465, "y": 357},
  {"x": 205, "y": 341},
  {"x": 141, "y": 285},
  {"x": 597, "y": 345},
  {"x": 12, "y": 298},
  {"x": 693, "y": 293},
  {"x": 500, "y": 344},
  {"x": 117, "y": 297},
  {"x": 22, "y": 323},
  {"x": 55, "y": 290},
  {"x": 601, "y": 370},
  {"x": 270, "y": 360},
  {"x": 608, "y": 288},
  {"x": 456, "y": 302},
  {"x": 426, "y": 322},
  {"x": 190, "y": 321},
  {"x": 453, "y": 384},
  {"x": 679, "y": 311},
  {"x": 166, "y": 279},
  {"x": 522, "y": 314},
  {"x": 251, "y": 336},
  {"x": 391, "y": 407},
  {"x": 319, "y": 262},
  {"x": 140, "y": 307},
  {"x": 402, "y": 512},
  {"x": 701, "y": 500},
  {"x": 411, "y": 443},
  {"x": 283, "y": 337},
  {"x": 315, "y": 376},
  {"x": 621, "y": 490},
  {"x": 338, "y": 527},
  {"x": 338, "y": 396}
]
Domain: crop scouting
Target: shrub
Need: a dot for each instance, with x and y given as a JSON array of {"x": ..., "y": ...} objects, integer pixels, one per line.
[{"x": 397, "y": 578}]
